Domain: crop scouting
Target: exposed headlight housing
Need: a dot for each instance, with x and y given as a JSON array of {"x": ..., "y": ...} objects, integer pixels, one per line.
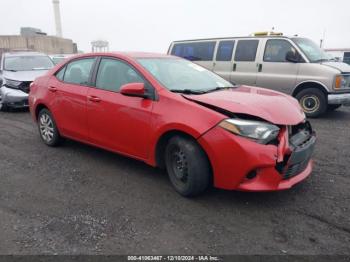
[
  {"x": 12, "y": 83},
  {"x": 260, "y": 132},
  {"x": 342, "y": 82}
]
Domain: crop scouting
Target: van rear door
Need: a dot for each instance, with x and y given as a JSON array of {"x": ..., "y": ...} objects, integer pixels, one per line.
[
  {"x": 223, "y": 58},
  {"x": 199, "y": 52},
  {"x": 244, "y": 68}
]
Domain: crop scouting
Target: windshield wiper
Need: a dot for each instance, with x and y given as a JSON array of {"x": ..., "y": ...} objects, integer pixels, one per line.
[
  {"x": 322, "y": 60},
  {"x": 218, "y": 88},
  {"x": 188, "y": 91},
  {"x": 11, "y": 70}
]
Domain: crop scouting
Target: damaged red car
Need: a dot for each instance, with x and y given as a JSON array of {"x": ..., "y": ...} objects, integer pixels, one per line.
[{"x": 174, "y": 114}]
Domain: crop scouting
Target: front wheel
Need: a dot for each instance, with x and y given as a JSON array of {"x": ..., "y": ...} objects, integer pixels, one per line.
[
  {"x": 313, "y": 101},
  {"x": 48, "y": 129},
  {"x": 187, "y": 166}
]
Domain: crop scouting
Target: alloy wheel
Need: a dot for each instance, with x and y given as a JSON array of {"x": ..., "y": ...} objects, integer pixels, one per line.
[{"x": 46, "y": 127}]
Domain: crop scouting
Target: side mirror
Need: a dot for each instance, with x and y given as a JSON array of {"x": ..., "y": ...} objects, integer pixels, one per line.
[
  {"x": 292, "y": 57},
  {"x": 134, "y": 89}
]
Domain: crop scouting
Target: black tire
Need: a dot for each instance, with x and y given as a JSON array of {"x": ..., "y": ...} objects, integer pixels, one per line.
[
  {"x": 187, "y": 165},
  {"x": 333, "y": 107},
  {"x": 4, "y": 107},
  {"x": 48, "y": 129},
  {"x": 313, "y": 101}
]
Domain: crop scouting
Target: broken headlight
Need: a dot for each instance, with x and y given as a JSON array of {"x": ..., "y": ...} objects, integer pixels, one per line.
[{"x": 260, "y": 132}]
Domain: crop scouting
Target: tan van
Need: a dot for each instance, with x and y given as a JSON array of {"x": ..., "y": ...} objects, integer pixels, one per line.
[{"x": 293, "y": 65}]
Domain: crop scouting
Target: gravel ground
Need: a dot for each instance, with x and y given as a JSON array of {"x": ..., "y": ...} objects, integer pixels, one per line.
[{"x": 77, "y": 199}]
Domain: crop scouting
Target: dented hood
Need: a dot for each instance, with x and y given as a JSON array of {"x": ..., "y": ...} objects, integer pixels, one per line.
[{"x": 272, "y": 106}]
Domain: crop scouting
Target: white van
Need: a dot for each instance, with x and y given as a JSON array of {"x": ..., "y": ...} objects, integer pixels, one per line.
[{"x": 293, "y": 65}]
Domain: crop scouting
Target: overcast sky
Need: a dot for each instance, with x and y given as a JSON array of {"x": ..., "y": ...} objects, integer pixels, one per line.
[{"x": 150, "y": 25}]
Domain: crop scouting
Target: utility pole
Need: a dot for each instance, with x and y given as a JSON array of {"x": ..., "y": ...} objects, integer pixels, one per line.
[{"x": 56, "y": 9}]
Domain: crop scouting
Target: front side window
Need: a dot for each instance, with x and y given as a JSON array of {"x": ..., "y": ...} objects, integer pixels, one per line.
[
  {"x": 112, "y": 74},
  {"x": 196, "y": 51},
  {"x": 182, "y": 75},
  {"x": 78, "y": 71},
  {"x": 246, "y": 50},
  {"x": 27, "y": 63},
  {"x": 224, "y": 52},
  {"x": 276, "y": 50}
]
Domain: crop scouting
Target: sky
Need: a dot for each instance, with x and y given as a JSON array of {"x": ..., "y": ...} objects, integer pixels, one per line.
[{"x": 151, "y": 25}]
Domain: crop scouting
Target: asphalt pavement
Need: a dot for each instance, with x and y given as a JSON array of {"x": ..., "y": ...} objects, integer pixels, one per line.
[{"x": 77, "y": 199}]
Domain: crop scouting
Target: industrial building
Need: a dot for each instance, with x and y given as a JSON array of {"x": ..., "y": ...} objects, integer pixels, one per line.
[{"x": 36, "y": 40}]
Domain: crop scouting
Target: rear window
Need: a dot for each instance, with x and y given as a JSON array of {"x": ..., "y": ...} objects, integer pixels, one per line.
[
  {"x": 196, "y": 51},
  {"x": 246, "y": 50},
  {"x": 224, "y": 52}
]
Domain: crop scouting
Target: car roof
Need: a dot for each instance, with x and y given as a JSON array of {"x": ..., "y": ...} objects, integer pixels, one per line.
[
  {"x": 24, "y": 54},
  {"x": 125, "y": 54}
]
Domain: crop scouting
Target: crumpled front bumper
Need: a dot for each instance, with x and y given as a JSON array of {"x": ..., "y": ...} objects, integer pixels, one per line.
[
  {"x": 13, "y": 97},
  {"x": 241, "y": 164}
]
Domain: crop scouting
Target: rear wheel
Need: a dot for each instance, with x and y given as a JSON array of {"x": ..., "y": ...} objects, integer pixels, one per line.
[
  {"x": 313, "y": 101},
  {"x": 4, "y": 107},
  {"x": 48, "y": 129},
  {"x": 187, "y": 166},
  {"x": 333, "y": 107}
]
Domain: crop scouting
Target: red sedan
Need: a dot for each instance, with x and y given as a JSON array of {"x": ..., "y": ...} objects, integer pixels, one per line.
[{"x": 174, "y": 114}]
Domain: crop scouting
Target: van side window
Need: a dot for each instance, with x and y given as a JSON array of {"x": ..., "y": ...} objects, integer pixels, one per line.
[
  {"x": 196, "y": 51},
  {"x": 346, "y": 57},
  {"x": 246, "y": 50},
  {"x": 224, "y": 52},
  {"x": 276, "y": 50}
]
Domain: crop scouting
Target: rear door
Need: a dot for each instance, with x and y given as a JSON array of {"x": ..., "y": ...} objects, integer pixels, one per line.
[
  {"x": 274, "y": 71},
  {"x": 69, "y": 88},
  {"x": 223, "y": 59},
  {"x": 245, "y": 68},
  {"x": 200, "y": 52},
  {"x": 115, "y": 121}
]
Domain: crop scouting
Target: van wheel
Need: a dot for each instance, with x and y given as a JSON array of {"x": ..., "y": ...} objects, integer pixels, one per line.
[
  {"x": 333, "y": 107},
  {"x": 48, "y": 129},
  {"x": 187, "y": 166},
  {"x": 313, "y": 101}
]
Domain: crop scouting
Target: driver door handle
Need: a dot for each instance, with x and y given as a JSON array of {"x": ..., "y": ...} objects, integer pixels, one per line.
[{"x": 94, "y": 99}]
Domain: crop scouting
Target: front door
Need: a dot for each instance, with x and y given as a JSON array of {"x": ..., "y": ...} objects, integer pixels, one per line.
[
  {"x": 117, "y": 122},
  {"x": 275, "y": 72}
]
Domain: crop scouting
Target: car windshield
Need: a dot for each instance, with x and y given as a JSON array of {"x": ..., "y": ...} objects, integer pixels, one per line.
[
  {"x": 27, "y": 63},
  {"x": 180, "y": 75},
  {"x": 314, "y": 53}
]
